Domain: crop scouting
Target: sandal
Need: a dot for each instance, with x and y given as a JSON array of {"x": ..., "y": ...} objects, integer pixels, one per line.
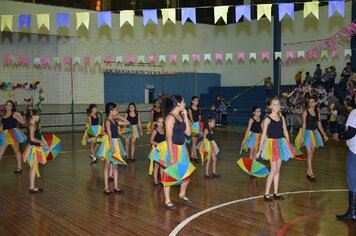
[
  {"x": 207, "y": 176},
  {"x": 216, "y": 175},
  {"x": 186, "y": 200},
  {"x": 118, "y": 191},
  {"x": 18, "y": 171},
  {"x": 267, "y": 198},
  {"x": 107, "y": 191},
  {"x": 170, "y": 206},
  {"x": 36, "y": 190},
  {"x": 132, "y": 159}
]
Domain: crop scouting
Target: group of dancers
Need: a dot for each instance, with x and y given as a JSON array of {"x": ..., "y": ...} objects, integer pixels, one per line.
[{"x": 267, "y": 138}]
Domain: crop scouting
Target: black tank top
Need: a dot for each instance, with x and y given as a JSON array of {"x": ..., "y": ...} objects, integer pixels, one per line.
[
  {"x": 210, "y": 136},
  {"x": 37, "y": 136},
  {"x": 114, "y": 129},
  {"x": 94, "y": 121},
  {"x": 311, "y": 121},
  {"x": 178, "y": 131},
  {"x": 156, "y": 115},
  {"x": 275, "y": 129},
  {"x": 159, "y": 138},
  {"x": 195, "y": 114},
  {"x": 133, "y": 119},
  {"x": 9, "y": 122},
  {"x": 256, "y": 126}
]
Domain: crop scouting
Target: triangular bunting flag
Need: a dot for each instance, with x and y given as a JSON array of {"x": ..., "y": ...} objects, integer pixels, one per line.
[
  {"x": 188, "y": 13},
  {"x": 286, "y": 9},
  {"x": 62, "y": 19},
  {"x": 127, "y": 16},
  {"x": 162, "y": 58},
  {"x": 83, "y": 19},
  {"x": 347, "y": 52},
  {"x": 207, "y": 57},
  {"x": 25, "y": 20},
  {"x": 221, "y": 12},
  {"x": 43, "y": 20},
  {"x": 168, "y": 14},
  {"x": 289, "y": 54},
  {"x": 185, "y": 58},
  {"x": 149, "y": 15},
  {"x": 228, "y": 56},
  {"x": 336, "y": 6},
  {"x": 311, "y": 8},
  {"x": 104, "y": 17},
  {"x": 324, "y": 53},
  {"x": 196, "y": 57},
  {"x": 241, "y": 56},
  {"x": 252, "y": 55},
  {"x": 301, "y": 54},
  {"x": 141, "y": 59},
  {"x": 277, "y": 55},
  {"x": 264, "y": 9},
  {"x": 243, "y": 10},
  {"x": 6, "y": 22}
]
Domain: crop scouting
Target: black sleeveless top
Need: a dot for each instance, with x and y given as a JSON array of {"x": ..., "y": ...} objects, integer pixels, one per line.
[
  {"x": 156, "y": 115},
  {"x": 114, "y": 129},
  {"x": 195, "y": 114},
  {"x": 210, "y": 136},
  {"x": 9, "y": 122},
  {"x": 311, "y": 121},
  {"x": 133, "y": 119},
  {"x": 178, "y": 131},
  {"x": 256, "y": 126},
  {"x": 159, "y": 138},
  {"x": 94, "y": 121},
  {"x": 37, "y": 136},
  {"x": 275, "y": 129}
]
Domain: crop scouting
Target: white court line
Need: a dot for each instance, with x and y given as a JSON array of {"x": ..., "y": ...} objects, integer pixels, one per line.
[{"x": 176, "y": 230}]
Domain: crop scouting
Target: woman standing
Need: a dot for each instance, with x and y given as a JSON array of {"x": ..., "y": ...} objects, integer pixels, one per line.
[
  {"x": 195, "y": 117},
  {"x": 177, "y": 125},
  {"x": 11, "y": 135}
]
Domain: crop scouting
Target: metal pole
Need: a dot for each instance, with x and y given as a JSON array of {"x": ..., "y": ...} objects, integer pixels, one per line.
[
  {"x": 277, "y": 38},
  {"x": 72, "y": 93}
]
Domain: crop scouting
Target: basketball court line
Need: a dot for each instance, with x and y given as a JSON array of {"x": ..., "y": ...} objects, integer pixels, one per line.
[{"x": 179, "y": 227}]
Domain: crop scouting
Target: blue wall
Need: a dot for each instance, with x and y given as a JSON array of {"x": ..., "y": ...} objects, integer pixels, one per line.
[{"x": 131, "y": 87}]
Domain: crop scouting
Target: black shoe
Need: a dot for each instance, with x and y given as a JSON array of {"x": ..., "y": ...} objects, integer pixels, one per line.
[
  {"x": 157, "y": 184},
  {"x": 208, "y": 176},
  {"x": 267, "y": 198},
  {"x": 170, "y": 206},
  {"x": 18, "y": 171},
  {"x": 118, "y": 191},
  {"x": 107, "y": 191},
  {"x": 276, "y": 196},
  {"x": 351, "y": 212},
  {"x": 311, "y": 178},
  {"x": 36, "y": 190},
  {"x": 216, "y": 175},
  {"x": 186, "y": 200}
]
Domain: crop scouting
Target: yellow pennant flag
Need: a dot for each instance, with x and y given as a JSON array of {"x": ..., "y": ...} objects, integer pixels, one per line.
[
  {"x": 185, "y": 58},
  {"x": 324, "y": 53},
  {"x": 83, "y": 18},
  {"x": 6, "y": 21},
  {"x": 264, "y": 9},
  {"x": 311, "y": 8},
  {"x": 43, "y": 19},
  {"x": 127, "y": 16},
  {"x": 229, "y": 56},
  {"x": 221, "y": 12},
  {"x": 168, "y": 14}
]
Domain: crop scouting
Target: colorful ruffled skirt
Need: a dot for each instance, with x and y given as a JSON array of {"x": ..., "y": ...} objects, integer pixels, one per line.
[
  {"x": 163, "y": 157},
  {"x": 92, "y": 137},
  {"x": 197, "y": 129},
  {"x": 277, "y": 149},
  {"x": 253, "y": 141},
  {"x": 150, "y": 126},
  {"x": 12, "y": 136},
  {"x": 311, "y": 138},
  {"x": 132, "y": 131},
  {"x": 34, "y": 155},
  {"x": 158, "y": 154},
  {"x": 104, "y": 151},
  {"x": 206, "y": 149}
]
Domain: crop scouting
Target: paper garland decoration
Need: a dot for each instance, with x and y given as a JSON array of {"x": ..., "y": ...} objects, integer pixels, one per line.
[{"x": 168, "y": 14}]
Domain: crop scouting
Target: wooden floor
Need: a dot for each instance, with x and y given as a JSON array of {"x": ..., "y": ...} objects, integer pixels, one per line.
[{"x": 74, "y": 203}]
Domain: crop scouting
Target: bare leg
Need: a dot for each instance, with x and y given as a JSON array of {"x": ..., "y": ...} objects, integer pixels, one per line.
[
  {"x": 276, "y": 176},
  {"x": 155, "y": 172},
  {"x": 106, "y": 173},
  {"x": 111, "y": 170},
  {"x": 183, "y": 189},
  {"x": 271, "y": 176},
  {"x": 207, "y": 166},
  {"x": 116, "y": 175},
  {"x": 17, "y": 152},
  {"x": 133, "y": 143},
  {"x": 193, "y": 148},
  {"x": 215, "y": 160},
  {"x": 127, "y": 145},
  {"x": 92, "y": 148},
  {"x": 2, "y": 150},
  {"x": 167, "y": 197},
  {"x": 251, "y": 153},
  {"x": 32, "y": 175},
  {"x": 310, "y": 154}
]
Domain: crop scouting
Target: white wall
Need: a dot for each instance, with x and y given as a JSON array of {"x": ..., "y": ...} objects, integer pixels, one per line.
[{"x": 156, "y": 39}]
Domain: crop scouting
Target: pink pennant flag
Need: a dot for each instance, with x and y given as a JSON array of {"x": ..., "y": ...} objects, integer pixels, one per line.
[
  {"x": 335, "y": 53},
  {"x": 240, "y": 55},
  {"x": 173, "y": 58},
  {"x": 46, "y": 61},
  {"x": 196, "y": 57},
  {"x": 130, "y": 58},
  {"x": 152, "y": 58},
  {"x": 108, "y": 59},
  {"x": 22, "y": 60},
  {"x": 289, "y": 54},
  {"x": 67, "y": 60},
  {"x": 265, "y": 55},
  {"x": 218, "y": 56},
  {"x": 87, "y": 59},
  {"x": 7, "y": 59}
]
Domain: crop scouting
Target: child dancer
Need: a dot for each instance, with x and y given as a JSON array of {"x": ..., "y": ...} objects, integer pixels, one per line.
[
  {"x": 155, "y": 113},
  {"x": 93, "y": 120},
  {"x": 253, "y": 132},
  {"x": 275, "y": 148},
  {"x": 194, "y": 115},
  {"x": 177, "y": 125},
  {"x": 111, "y": 144},
  {"x": 34, "y": 154},
  {"x": 134, "y": 131},
  {"x": 158, "y": 136},
  {"x": 208, "y": 148},
  {"x": 10, "y": 134},
  {"x": 309, "y": 136}
]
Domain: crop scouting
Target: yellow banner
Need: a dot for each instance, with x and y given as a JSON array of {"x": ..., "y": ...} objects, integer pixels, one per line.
[
  {"x": 221, "y": 12},
  {"x": 83, "y": 18},
  {"x": 264, "y": 9},
  {"x": 127, "y": 16},
  {"x": 43, "y": 19},
  {"x": 168, "y": 14},
  {"x": 311, "y": 8},
  {"x": 6, "y": 21}
]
